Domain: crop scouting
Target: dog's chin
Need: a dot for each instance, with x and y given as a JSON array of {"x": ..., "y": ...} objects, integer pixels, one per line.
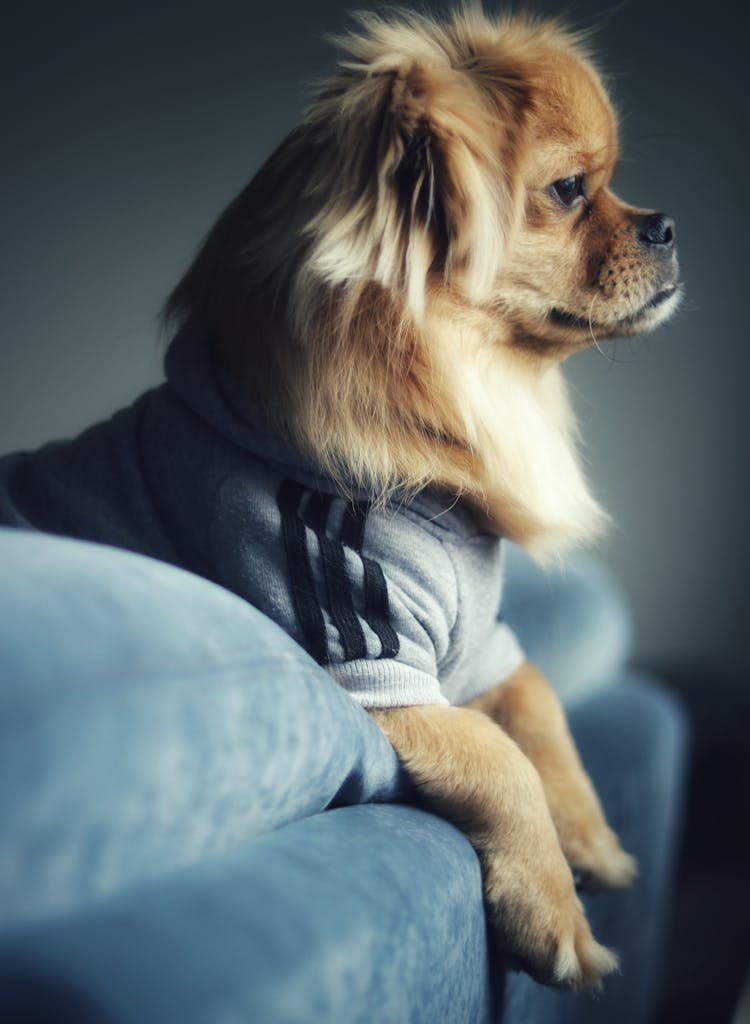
[{"x": 578, "y": 330}]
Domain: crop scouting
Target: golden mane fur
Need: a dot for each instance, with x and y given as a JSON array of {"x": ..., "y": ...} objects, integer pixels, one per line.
[{"x": 352, "y": 286}]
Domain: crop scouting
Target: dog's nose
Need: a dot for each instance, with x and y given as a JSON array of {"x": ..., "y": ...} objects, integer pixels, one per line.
[{"x": 657, "y": 229}]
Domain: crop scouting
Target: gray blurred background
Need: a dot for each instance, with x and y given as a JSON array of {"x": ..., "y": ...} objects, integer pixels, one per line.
[{"x": 131, "y": 125}]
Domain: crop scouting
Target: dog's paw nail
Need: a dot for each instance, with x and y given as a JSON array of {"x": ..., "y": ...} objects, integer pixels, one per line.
[{"x": 583, "y": 963}]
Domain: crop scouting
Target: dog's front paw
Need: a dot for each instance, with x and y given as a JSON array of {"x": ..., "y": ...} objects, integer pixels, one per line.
[
  {"x": 532, "y": 901},
  {"x": 591, "y": 847},
  {"x": 617, "y": 870},
  {"x": 593, "y": 850},
  {"x": 532, "y": 714},
  {"x": 542, "y": 925}
]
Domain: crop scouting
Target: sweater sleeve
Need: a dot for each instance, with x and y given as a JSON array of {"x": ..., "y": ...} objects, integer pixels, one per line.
[
  {"x": 484, "y": 650},
  {"x": 406, "y": 597}
]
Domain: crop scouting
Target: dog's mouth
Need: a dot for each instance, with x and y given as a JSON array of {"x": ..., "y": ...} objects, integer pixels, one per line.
[{"x": 645, "y": 312}]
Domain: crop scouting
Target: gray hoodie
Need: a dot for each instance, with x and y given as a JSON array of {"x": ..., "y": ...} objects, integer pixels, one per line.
[{"x": 401, "y": 605}]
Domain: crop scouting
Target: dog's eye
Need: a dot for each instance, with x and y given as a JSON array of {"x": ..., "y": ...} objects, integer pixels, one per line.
[{"x": 567, "y": 190}]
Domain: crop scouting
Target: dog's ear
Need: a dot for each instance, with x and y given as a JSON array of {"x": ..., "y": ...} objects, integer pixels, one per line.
[{"x": 416, "y": 172}]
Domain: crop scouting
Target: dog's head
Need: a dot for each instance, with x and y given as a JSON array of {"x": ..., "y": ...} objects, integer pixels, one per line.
[
  {"x": 400, "y": 280},
  {"x": 584, "y": 265}
]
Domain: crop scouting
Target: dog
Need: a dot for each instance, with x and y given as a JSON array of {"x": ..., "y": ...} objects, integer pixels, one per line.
[{"x": 366, "y": 384}]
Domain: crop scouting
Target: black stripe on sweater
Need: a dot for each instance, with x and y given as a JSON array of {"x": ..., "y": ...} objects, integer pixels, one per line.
[
  {"x": 377, "y": 606},
  {"x": 302, "y": 581},
  {"x": 338, "y": 586}
]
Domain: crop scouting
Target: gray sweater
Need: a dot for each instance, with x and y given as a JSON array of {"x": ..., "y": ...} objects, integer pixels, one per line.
[{"x": 400, "y": 605}]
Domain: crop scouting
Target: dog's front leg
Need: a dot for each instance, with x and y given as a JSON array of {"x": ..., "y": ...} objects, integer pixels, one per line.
[
  {"x": 527, "y": 707},
  {"x": 469, "y": 771}
]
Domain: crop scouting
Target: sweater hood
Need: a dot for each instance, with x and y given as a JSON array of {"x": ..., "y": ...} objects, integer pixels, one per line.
[{"x": 210, "y": 392}]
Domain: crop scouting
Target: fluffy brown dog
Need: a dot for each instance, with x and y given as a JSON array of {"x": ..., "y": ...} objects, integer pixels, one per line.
[{"x": 396, "y": 289}]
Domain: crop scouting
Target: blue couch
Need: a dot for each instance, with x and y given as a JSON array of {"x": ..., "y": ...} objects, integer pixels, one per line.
[{"x": 198, "y": 827}]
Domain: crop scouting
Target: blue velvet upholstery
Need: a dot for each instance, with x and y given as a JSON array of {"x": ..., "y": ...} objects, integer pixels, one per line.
[{"x": 197, "y": 825}]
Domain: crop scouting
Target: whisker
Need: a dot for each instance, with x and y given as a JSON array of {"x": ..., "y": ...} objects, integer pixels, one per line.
[{"x": 594, "y": 339}]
